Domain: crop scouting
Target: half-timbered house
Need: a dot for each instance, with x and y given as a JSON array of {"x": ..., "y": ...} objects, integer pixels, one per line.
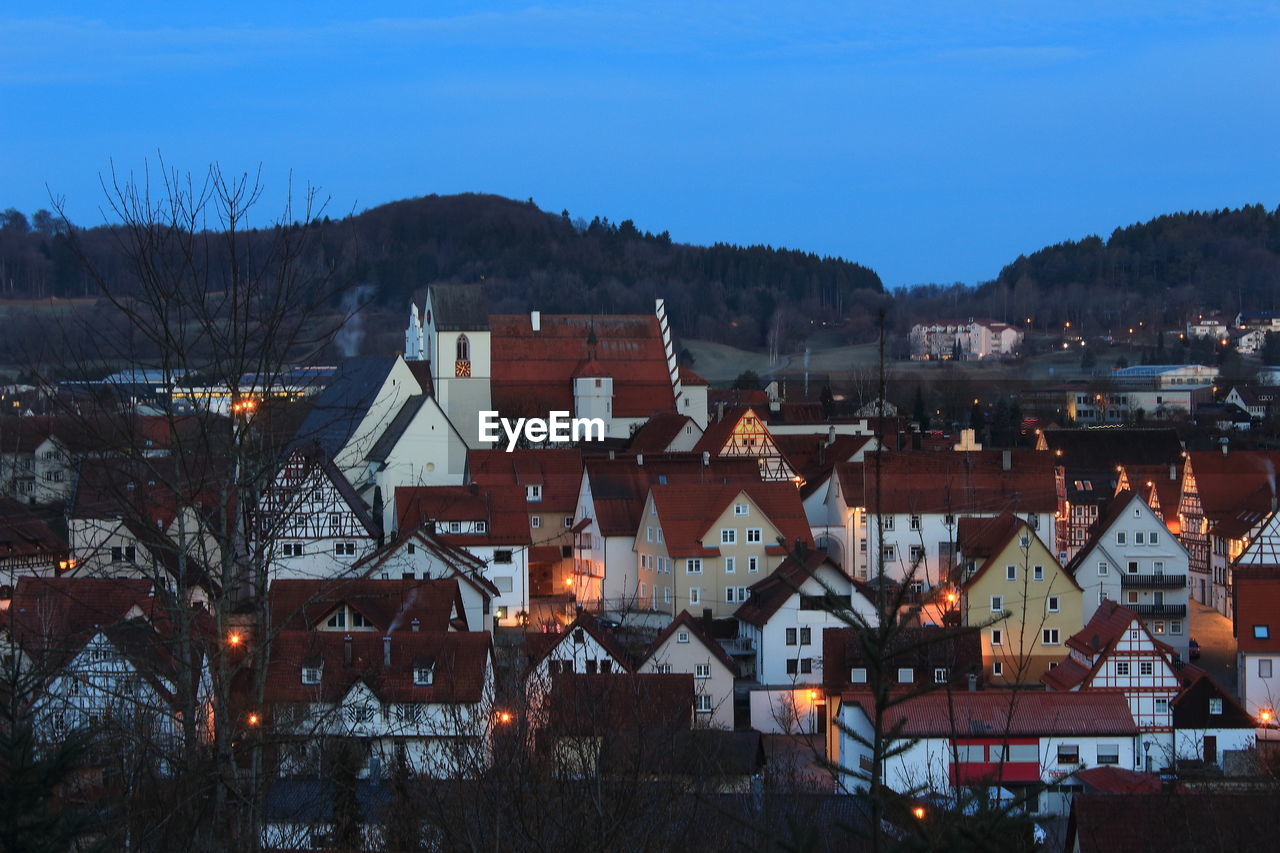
[{"x": 741, "y": 431}]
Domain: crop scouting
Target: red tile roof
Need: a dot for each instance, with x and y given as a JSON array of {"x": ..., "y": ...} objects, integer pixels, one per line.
[
  {"x": 533, "y": 371},
  {"x": 619, "y": 486},
  {"x": 390, "y": 605},
  {"x": 657, "y": 433},
  {"x": 995, "y": 713},
  {"x": 1257, "y": 602},
  {"x": 952, "y": 482},
  {"x": 539, "y": 646},
  {"x": 1108, "y": 624},
  {"x": 1241, "y": 822},
  {"x": 557, "y": 472},
  {"x": 502, "y": 510},
  {"x": 1241, "y": 479},
  {"x": 770, "y": 593},
  {"x": 815, "y": 456},
  {"x": 924, "y": 649},
  {"x": 687, "y": 512},
  {"x": 688, "y": 377},
  {"x": 147, "y": 489},
  {"x": 1117, "y": 780},
  {"x": 54, "y": 617},
  {"x": 1067, "y": 675},
  {"x": 460, "y": 660},
  {"x": 24, "y": 536}
]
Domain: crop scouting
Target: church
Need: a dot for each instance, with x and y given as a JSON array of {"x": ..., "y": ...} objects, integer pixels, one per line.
[{"x": 619, "y": 368}]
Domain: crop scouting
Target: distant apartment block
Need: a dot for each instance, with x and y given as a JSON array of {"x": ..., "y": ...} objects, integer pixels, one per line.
[{"x": 963, "y": 339}]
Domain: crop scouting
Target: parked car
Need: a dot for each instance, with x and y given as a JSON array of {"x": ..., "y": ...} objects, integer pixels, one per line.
[{"x": 1193, "y": 649}]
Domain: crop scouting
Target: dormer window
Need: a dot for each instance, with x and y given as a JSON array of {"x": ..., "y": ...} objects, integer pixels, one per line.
[
  {"x": 424, "y": 675},
  {"x": 347, "y": 617},
  {"x": 455, "y": 527},
  {"x": 533, "y": 492},
  {"x": 311, "y": 675},
  {"x": 481, "y": 527}
]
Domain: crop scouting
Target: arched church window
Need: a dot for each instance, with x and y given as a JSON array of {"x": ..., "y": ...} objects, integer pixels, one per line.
[{"x": 462, "y": 367}]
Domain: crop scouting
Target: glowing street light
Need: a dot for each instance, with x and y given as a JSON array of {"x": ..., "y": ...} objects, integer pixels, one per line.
[
  {"x": 234, "y": 638},
  {"x": 254, "y": 719},
  {"x": 918, "y": 811}
]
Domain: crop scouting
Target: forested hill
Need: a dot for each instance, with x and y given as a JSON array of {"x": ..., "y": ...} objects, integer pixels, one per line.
[
  {"x": 1163, "y": 270},
  {"x": 526, "y": 258}
]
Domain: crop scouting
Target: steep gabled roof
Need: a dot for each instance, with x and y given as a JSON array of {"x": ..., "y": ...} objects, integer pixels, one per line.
[
  {"x": 464, "y": 566},
  {"x": 657, "y": 433},
  {"x": 687, "y": 621},
  {"x": 52, "y": 618},
  {"x": 312, "y": 459},
  {"x": 558, "y": 472},
  {"x": 688, "y": 511},
  {"x": 388, "y": 605},
  {"x": 1084, "y": 451},
  {"x": 342, "y": 406},
  {"x": 999, "y": 713},
  {"x": 545, "y": 644},
  {"x": 459, "y": 307},
  {"x": 1108, "y": 624},
  {"x": 459, "y": 659},
  {"x": 770, "y": 593},
  {"x": 23, "y": 535},
  {"x": 1227, "y": 482},
  {"x": 923, "y": 648},
  {"x": 502, "y": 510},
  {"x": 395, "y": 430}
]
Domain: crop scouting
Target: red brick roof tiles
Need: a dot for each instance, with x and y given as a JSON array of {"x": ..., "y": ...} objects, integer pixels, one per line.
[
  {"x": 388, "y": 605},
  {"x": 502, "y": 510},
  {"x": 595, "y": 704},
  {"x": 952, "y": 482},
  {"x": 996, "y": 713},
  {"x": 687, "y": 512},
  {"x": 1257, "y": 602},
  {"x": 557, "y": 473}
]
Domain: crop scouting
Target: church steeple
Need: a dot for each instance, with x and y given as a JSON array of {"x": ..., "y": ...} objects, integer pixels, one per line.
[{"x": 413, "y": 348}]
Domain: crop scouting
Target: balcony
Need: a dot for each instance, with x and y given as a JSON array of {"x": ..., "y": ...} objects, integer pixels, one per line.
[
  {"x": 1153, "y": 581},
  {"x": 1148, "y": 611}
]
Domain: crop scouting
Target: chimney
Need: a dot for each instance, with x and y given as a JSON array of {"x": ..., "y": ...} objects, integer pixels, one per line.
[
  {"x": 346, "y": 650},
  {"x": 706, "y": 458},
  {"x": 415, "y": 625},
  {"x": 640, "y": 460},
  {"x": 831, "y": 436},
  {"x": 720, "y": 410},
  {"x": 386, "y": 651},
  {"x": 613, "y": 455},
  {"x": 1173, "y": 471},
  {"x": 535, "y": 320},
  {"x": 973, "y": 681},
  {"x": 1224, "y": 441},
  {"x": 1006, "y": 459}
]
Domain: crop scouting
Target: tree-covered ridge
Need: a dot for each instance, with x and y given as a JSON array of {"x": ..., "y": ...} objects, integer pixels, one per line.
[{"x": 526, "y": 258}]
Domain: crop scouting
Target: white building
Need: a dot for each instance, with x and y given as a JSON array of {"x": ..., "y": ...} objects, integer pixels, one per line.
[
  {"x": 966, "y": 339},
  {"x": 685, "y": 647},
  {"x": 1131, "y": 558}
]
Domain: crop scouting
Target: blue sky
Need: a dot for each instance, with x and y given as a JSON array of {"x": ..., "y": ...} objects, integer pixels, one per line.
[{"x": 931, "y": 141}]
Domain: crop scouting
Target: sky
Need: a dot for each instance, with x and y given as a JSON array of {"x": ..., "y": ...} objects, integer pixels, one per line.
[{"x": 930, "y": 141}]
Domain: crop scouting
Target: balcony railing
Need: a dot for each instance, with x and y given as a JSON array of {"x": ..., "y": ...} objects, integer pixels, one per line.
[
  {"x": 1173, "y": 611},
  {"x": 1157, "y": 581}
]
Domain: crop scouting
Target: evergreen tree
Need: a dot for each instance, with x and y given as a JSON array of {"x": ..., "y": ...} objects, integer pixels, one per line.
[
  {"x": 828, "y": 401},
  {"x": 917, "y": 409}
]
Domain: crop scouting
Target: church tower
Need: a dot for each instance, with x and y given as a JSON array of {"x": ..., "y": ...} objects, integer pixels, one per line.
[
  {"x": 413, "y": 346},
  {"x": 456, "y": 341}
]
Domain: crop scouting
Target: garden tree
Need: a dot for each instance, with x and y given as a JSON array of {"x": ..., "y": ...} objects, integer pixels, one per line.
[{"x": 199, "y": 297}]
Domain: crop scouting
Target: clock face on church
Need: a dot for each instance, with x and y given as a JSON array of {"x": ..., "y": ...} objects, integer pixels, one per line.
[{"x": 462, "y": 368}]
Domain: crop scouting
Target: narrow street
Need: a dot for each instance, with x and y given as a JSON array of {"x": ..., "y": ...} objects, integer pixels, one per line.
[{"x": 1212, "y": 631}]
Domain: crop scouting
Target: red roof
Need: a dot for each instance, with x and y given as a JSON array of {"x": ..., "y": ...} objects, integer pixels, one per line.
[
  {"x": 557, "y": 474},
  {"x": 619, "y": 486},
  {"x": 1236, "y": 480},
  {"x": 952, "y": 482},
  {"x": 772, "y": 592},
  {"x": 691, "y": 623},
  {"x": 687, "y": 512},
  {"x": 23, "y": 535},
  {"x": 54, "y": 617},
  {"x": 502, "y": 511},
  {"x": 1117, "y": 780},
  {"x": 996, "y": 713},
  {"x": 1067, "y": 675},
  {"x": 390, "y": 605},
  {"x": 1257, "y": 600},
  {"x": 1239, "y": 821},
  {"x": 459, "y": 660},
  {"x": 815, "y": 456},
  {"x": 595, "y": 704},
  {"x": 532, "y": 372},
  {"x": 1108, "y": 624},
  {"x": 657, "y": 433},
  {"x": 688, "y": 377},
  {"x": 539, "y": 646},
  {"x": 147, "y": 489}
]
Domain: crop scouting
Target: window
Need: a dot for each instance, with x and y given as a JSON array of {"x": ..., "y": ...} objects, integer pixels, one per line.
[
  {"x": 1121, "y": 538},
  {"x": 1037, "y": 573},
  {"x": 1261, "y": 632},
  {"x": 888, "y": 522},
  {"x": 1162, "y": 705},
  {"x": 1154, "y": 538},
  {"x": 753, "y": 564},
  {"x": 344, "y": 549},
  {"x": 481, "y": 526},
  {"x": 940, "y": 675},
  {"x": 682, "y": 636},
  {"x": 335, "y": 524},
  {"x": 702, "y": 670},
  {"x": 695, "y": 595},
  {"x": 1103, "y": 569},
  {"x": 917, "y": 553},
  {"x": 753, "y": 535},
  {"x": 504, "y": 583},
  {"x": 535, "y": 521},
  {"x": 666, "y": 595},
  {"x": 338, "y": 619},
  {"x": 1215, "y": 706},
  {"x": 914, "y": 522},
  {"x": 1033, "y": 521},
  {"x": 1157, "y": 627},
  {"x": 730, "y": 565},
  {"x": 1108, "y": 753},
  {"x": 693, "y": 567},
  {"x": 997, "y": 604},
  {"x": 423, "y": 675},
  {"x": 503, "y": 556},
  {"x": 1132, "y": 597},
  {"x": 568, "y": 523},
  {"x": 455, "y": 527},
  {"x": 739, "y": 509},
  {"x": 728, "y": 536},
  {"x": 906, "y": 675},
  {"x": 1157, "y": 566},
  {"x": 997, "y": 637},
  {"x": 1049, "y": 636},
  {"x": 1024, "y": 541},
  {"x": 463, "y": 348},
  {"x": 1175, "y": 627},
  {"x": 291, "y": 549},
  {"x": 1122, "y": 667},
  {"x": 1053, "y": 604},
  {"x": 949, "y": 520},
  {"x": 1011, "y": 573},
  {"x": 1133, "y": 567},
  {"x": 793, "y": 666},
  {"x": 791, "y": 636},
  {"x": 997, "y": 669},
  {"x": 887, "y": 553},
  {"x": 533, "y": 492},
  {"x": 806, "y": 636},
  {"x": 1068, "y": 753},
  {"x": 1146, "y": 667},
  {"x": 1139, "y": 538},
  {"x": 662, "y": 668},
  {"x": 1264, "y": 668},
  {"x": 858, "y": 675},
  {"x": 311, "y": 675},
  {"x": 702, "y": 704},
  {"x": 643, "y": 589}
]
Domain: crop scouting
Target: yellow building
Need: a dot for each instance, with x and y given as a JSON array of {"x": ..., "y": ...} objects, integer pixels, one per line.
[{"x": 1013, "y": 589}]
